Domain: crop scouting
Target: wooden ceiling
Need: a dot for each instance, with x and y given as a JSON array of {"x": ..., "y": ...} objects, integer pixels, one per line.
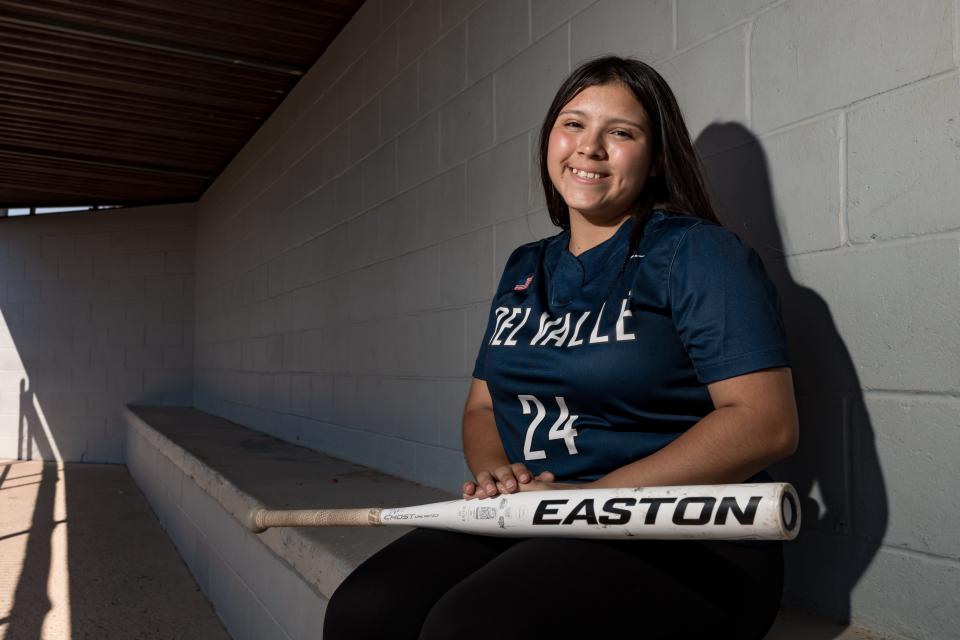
[{"x": 120, "y": 102}]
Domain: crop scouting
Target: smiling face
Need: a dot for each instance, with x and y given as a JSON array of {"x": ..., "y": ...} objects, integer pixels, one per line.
[{"x": 603, "y": 131}]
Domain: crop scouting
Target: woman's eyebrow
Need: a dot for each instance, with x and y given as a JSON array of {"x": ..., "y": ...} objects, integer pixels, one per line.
[{"x": 612, "y": 120}]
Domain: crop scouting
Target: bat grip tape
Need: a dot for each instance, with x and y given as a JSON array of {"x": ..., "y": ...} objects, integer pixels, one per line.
[{"x": 260, "y": 519}]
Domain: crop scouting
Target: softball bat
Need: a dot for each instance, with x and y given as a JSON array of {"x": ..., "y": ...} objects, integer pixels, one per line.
[{"x": 765, "y": 511}]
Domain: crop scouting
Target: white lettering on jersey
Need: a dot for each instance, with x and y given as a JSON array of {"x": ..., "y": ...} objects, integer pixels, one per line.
[
  {"x": 511, "y": 341},
  {"x": 562, "y": 429},
  {"x": 594, "y": 337},
  {"x": 560, "y": 334},
  {"x": 501, "y": 313},
  {"x": 528, "y": 453},
  {"x": 557, "y": 331},
  {"x": 506, "y": 324},
  {"x": 545, "y": 325},
  {"x": 622, "y": 335},
  {"x": 575, "y": 339}
]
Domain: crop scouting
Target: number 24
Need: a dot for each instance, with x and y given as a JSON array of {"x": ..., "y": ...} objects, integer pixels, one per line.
[{"x": 562, "y": 429}]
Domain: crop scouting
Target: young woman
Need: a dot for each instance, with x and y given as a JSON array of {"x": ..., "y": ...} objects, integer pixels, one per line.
[{"x": 641, "y": 346}]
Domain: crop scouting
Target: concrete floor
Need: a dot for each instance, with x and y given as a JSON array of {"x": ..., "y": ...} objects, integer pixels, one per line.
[{"x": 82, "y": 556}]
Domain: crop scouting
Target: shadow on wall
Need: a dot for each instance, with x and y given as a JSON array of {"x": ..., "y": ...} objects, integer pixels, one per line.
[{"x": 837, "y": 458}]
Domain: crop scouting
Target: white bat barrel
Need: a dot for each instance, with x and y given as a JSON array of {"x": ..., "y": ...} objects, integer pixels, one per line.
[{"x": 767, "y": 511}]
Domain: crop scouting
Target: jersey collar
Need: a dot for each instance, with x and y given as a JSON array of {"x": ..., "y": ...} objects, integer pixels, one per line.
[{"x": 568, "y": 274}]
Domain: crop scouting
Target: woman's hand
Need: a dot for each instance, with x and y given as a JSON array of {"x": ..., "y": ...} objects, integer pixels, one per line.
[
  {"x": 524, "y": 482},
  {"x": 545, "y": 482},
  {"x": 506, "y": 479}
]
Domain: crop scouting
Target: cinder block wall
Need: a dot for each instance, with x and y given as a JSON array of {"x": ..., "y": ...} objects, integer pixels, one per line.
[
  {"x": 347, "y": 256},
  {"x": 96, "y": 311}
]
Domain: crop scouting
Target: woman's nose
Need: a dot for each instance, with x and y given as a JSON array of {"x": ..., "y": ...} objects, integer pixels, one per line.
[{"x": 590, "y": 145}]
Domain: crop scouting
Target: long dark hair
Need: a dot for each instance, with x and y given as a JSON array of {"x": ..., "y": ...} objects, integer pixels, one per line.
[{"x": 679, "y": 186}]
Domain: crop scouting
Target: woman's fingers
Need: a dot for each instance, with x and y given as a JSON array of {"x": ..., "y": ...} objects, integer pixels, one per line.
[
  {"x": 486, "y": 482},
  {"x": 520, "y": 472},
  {"x": 505, "y": 479}
]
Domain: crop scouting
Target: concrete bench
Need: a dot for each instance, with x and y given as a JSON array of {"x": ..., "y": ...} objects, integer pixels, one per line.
[{"x": 202, "y": 474}]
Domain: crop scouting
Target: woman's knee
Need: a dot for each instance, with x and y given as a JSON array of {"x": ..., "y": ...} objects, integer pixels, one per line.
[
  {"x": 459, "y": 614},
  {"x": 389, "y": 595},
  {"x": 357, "y": 611}
]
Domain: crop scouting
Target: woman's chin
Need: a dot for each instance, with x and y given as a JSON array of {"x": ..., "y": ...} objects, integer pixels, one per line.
[{"x": 600, "y": 217}]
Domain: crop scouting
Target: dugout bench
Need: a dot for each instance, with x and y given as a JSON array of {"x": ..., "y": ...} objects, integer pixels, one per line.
[{"x": 202, "y": 474}]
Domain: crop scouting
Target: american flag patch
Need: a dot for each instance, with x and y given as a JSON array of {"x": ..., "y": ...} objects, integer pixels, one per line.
[{"x": 523, "y": 284}]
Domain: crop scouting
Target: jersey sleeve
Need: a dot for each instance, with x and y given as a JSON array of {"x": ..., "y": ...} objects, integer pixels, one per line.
[
  {"x": 520, "y": 258},
  {"x": 479, "y": 367},
  {"x": 725, "y": 308}
]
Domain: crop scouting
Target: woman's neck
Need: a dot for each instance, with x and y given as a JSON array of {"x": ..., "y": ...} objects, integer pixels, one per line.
[{"x": 586, "y": 234}]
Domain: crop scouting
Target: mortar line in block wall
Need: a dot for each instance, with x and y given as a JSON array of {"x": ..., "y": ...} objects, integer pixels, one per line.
[
  {"x": 462, "y": 20},
  {"x": 953, "y": 234},
  {"x": 956, "y": 33},
  {"x": 915, "y": 239},
  {"x": 833, "y": 113},
  {"x": 416, "y": 314},
  {"x": 493, "y": 108},
  {"x": 856, "y": 104},
  {"x": 361, "y": 106},
  {"x": 909, "y": 395},
  {"x": 840, "y": 111},
  {"x": 842, "y": 167},
  {"x": 372, "y": 206},
  {"x": 281, "y": 135},
  {"x": 396, "y": 20},
  {"x": 719, "y": 32},
  {"x": 923, "y": 556},
  {"x": 747, "y": 76},
  {"x": 913, "y": 553},
  {"x": 292, "y": 248},
  {"x": 673, "y": 15},
  {"x": 360, "y": 160},
  {"x": 530, "y": 22}
]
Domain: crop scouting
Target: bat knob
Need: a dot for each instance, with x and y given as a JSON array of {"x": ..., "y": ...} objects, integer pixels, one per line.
[
  {"x": 253, "y": 521},
  {"x": 790, "y": 511}
]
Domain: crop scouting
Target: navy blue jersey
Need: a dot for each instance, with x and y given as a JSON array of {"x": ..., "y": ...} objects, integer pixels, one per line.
[{"x": 597, "y": 360}]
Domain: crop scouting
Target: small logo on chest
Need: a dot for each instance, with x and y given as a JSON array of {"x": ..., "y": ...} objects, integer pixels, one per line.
[{"x": 524, "y": 283}]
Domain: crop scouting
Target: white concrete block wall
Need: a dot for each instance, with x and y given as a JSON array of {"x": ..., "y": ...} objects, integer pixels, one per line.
[
  {"x": 96, "y": 310},
  {"x": 346, "y": 258}
]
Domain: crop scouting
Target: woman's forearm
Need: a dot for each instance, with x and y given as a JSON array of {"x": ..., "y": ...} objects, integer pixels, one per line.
[
  {"x": 728, "y": 445},
  {"x": 481, "y": 442}
]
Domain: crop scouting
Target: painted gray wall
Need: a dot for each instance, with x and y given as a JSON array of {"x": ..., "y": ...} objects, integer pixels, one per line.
[
  {"x": 96, "y": 311},
  {"x": 346, "y": 258}
]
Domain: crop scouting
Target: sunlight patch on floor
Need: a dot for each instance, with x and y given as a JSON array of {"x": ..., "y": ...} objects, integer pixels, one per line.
[{"x": 21, "y": 516}]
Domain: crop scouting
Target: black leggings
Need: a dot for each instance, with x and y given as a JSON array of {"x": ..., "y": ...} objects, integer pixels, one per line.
[{"x": 436, "y": 584}]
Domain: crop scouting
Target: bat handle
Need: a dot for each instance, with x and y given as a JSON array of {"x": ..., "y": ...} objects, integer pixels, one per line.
[{"x": 260, "y": 519}]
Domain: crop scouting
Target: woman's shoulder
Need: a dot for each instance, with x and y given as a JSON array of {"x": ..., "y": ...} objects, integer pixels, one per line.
[
  {"x": 524, "y": 261},
  {"x": 531, "y": 251},
  {"x": 672, "y": 231},
  {"x": 675, "y": 224}
]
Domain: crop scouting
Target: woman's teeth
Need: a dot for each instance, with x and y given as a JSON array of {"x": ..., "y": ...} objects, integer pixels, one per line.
[{"x": 585, "y": 174}]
